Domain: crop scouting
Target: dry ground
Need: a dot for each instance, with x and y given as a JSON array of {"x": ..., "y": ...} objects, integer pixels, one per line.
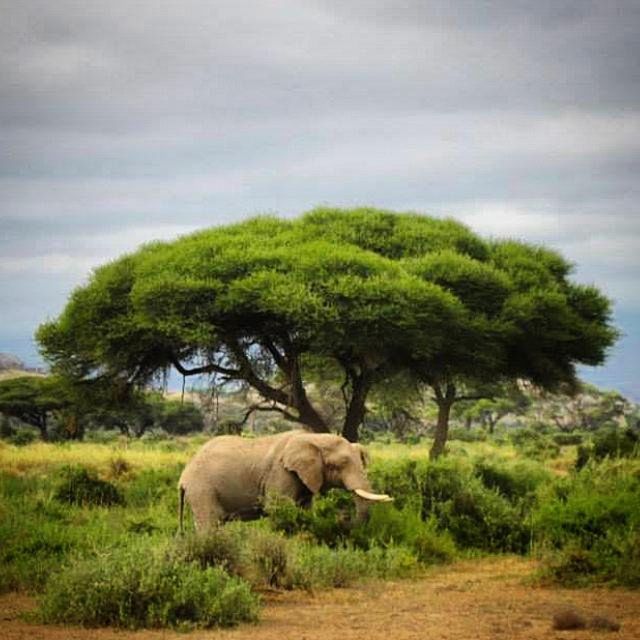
[{"x": 488, "y": 598}]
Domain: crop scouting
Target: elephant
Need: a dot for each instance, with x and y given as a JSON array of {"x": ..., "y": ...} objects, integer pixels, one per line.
[{"x": 231, "y": 476}]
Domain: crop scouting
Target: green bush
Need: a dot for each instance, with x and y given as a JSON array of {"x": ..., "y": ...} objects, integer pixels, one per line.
[
  {"x": 610, "y": 443},
  {"x": 401, "y": 478},
  {"x": 512, "y": 481},
  {"x": 449, "y": 491},
  {"x": 23, "y": 437},
  {"x": 270, "y": 558},
  {"x": 566, "y": 439},
  {"x": 535, "y": 442},
  {"x": 467, "y": 435},
  {"x": 139, "y": 586},
  {"x": 83, "y": 487},
  {"x": 318, "y": 566},
  {"x": 31, "y": 550},
  {"x": 221, "y": 547},
  {"x": 329, "y": 520},
  {"x": 587, "y": 526},
  {"x": 153, "y": 486}
]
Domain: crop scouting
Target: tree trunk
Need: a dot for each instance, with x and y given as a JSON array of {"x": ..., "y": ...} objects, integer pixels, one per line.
[
  {"x": 309, "y": 417},
  {"x": 357, "y": 407},
  {"x": 299, "y": 400},
  {"x": 444, "y": 402},
  {"x": 42, "y": 425},
  {"x": 442, "y": 429}
]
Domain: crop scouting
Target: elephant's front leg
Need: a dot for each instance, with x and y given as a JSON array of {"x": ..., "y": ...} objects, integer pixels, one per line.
[{"x": 286, "y": 483}]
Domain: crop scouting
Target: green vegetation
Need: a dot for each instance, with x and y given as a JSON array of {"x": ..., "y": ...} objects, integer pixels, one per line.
[
  {"x": 354, "y": 298},
  {"x": 142, "y": 585},
  {"x": 387, "y": 326},
  {"x": 81, "y": 486},
  {"x": 590, "y": 525},
  {"x": 91, "y": 528}
]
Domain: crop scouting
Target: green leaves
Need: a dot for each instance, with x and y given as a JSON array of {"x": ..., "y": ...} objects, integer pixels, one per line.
[{"x": 361, "y": 288}]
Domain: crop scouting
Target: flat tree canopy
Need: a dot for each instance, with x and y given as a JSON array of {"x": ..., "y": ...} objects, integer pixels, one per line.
[
  {"x": 32, "y": 399},
  {"x": 370, "y": 293}
]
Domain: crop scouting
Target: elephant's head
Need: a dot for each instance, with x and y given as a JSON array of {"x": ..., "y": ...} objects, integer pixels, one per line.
[{"x": 323, "y": 461}]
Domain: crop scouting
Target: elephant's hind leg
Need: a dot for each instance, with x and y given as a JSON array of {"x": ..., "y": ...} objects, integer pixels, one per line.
[{"x": 206, "y": 508}]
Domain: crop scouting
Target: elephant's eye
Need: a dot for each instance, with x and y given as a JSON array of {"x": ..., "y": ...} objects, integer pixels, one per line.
[{"x": 337, "y": 463}]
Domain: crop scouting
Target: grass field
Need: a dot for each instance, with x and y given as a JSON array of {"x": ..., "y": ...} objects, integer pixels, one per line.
[{"x": 89, "y": 528}]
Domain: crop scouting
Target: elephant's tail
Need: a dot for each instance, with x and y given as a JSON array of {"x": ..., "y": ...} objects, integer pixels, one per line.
[{"x": 181, "y": 510}]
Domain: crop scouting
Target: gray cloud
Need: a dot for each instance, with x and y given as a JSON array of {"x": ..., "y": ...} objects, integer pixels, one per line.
[{"x": 122, "y": 122}]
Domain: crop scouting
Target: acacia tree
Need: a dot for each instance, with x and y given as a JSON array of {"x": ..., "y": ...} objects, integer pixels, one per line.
[
  {"x": 490, "y": 410},
  {"x": 267, "y": 302},
  {"x": 524, "y": 320},
  {"x": 33, "y": 399}
]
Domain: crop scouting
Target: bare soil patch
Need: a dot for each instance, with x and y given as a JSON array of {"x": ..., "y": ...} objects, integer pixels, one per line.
[{"x": 483, "y": 599}]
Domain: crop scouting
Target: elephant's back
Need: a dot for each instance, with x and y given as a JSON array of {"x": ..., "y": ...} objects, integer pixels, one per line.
[{"x": 224, "y": 455}]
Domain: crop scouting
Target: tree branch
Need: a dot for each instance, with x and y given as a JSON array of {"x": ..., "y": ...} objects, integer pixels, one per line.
[
  {"x": 247, "y": 373},
  {"x": 273, "y": 407},
  {"x": 208, "y": 368},
  {"x": 480, "y": 396},
  {"x": 279, "y": 359}
]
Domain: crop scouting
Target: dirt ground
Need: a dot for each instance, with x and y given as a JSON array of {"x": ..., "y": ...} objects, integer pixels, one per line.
[{"x": 488, "y": 598}]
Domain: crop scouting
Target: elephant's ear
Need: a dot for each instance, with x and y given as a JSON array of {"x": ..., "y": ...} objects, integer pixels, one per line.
[
  {"x": 304, "y": 459},
  {"x": 364, "y": 456}
]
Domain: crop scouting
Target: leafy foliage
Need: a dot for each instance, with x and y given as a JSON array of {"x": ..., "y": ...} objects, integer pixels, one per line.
[
  {"x": 588, "y": 526},
  {"x": 610, "y": 443},
  {"x": 80, "y": 486},
  {"x": 140, "y": 586},
  {"x": 370, "y": 292}
]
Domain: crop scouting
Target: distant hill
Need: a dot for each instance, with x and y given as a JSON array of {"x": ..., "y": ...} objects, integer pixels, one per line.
[
  {"x": 11, "y": 367},
  {"x": 9, "y": 361}
]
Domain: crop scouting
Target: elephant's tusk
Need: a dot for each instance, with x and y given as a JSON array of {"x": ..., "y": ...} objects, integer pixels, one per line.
[{"x": 376, "y": 497}]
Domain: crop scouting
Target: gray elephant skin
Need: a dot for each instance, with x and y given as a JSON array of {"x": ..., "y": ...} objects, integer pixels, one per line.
[{"x": 230, "y": 476}]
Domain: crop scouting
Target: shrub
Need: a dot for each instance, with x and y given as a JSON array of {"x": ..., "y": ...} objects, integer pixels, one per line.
[
  {"x": 476, "y": 516},
  {"x": 432, "y": 546},
  {"x": 587, "y": 526},
  {"x": 610, "y": 443},
  {"x": 329, "y": 520},
  {"x": 449, "y": 491},
  {"x": 221, "y": 547},
  {"x": 402, "y": 478},
  {"x": 31, "y": 550},
  {"x": 81, "y": 486},
  {"x": 23, "y": 437},
  {"x": 153, "y": 486},
  {"x": 467, "y": 435},
  {"x": 269, "y": 555},
  {"x": 138, "y": 586},
  {"x": 535, "y": 443},
  {"x": 512, "y": 481},
  {"x": 565, "y": 439}
]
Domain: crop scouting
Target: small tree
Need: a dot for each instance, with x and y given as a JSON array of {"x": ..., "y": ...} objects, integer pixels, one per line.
[
  {"x": 489, "y": 411},
  {"x": 33, "y": 399}
]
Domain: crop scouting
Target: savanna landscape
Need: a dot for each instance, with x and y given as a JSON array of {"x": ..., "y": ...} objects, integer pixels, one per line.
[{"x": 450, "y": 358}]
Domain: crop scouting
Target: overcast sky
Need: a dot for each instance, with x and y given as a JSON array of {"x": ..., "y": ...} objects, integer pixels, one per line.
[{"x": 123, "y": 122}]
